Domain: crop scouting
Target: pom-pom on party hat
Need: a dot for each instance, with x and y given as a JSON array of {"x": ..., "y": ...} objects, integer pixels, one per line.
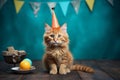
[{"x": 55, "y": 24}]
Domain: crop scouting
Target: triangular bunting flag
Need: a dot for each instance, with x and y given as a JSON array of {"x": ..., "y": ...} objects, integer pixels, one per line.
[
  {"x": 36, "y": 7},
  {"x": 2, "y": 2},
  {"x": 18, "y": 5},
  {"x": 76, "y": 5},
  {"x": 64, "y": 6},
  {"x": 111, "y": 2},
  {"x": 90, "y": 4},
  {"x": 51, "y": 5}
]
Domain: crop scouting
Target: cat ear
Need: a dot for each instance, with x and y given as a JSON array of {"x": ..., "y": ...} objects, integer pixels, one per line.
[
  {"x": 47, "y": 27},
  {"x": 64, "y": 27}
]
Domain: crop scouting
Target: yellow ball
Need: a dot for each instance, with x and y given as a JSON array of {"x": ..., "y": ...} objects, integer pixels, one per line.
[{"x": 25, "y": 65}]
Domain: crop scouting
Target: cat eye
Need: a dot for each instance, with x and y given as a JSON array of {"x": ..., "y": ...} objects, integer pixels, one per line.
[
  {"x": 52, "y": 35},
  {"x": 59, "y": 35}
]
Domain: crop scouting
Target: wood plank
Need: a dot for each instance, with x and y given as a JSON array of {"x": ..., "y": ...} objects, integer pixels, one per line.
[
  {"x": 10, "y": 77},
  {"x": 5, "y": 68},
  {"x": 111, "y": 68},
  {"x": 39, "y": 73},
  {"x": 98, "y": 75},
  {"x": 104, "y": 70},
  {"x": 42, "y": 74},
  {"x": 71, "y": 76},
  {"x": 38, "y": 76}
]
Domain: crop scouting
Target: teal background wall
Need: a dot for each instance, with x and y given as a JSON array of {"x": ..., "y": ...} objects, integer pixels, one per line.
[{"x": 93, "y": 35}]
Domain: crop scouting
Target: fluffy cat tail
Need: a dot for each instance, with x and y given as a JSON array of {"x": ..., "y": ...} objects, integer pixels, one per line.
[{"x": 78, "y": 67}]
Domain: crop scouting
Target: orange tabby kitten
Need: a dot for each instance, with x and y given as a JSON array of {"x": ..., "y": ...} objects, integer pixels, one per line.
[{"x": 57, "y": 57}]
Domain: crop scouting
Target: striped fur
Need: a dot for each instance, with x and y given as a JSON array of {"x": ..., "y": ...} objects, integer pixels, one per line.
[
  {"x": 82, "y": 68},
  {"x": 57, "y": 57}
]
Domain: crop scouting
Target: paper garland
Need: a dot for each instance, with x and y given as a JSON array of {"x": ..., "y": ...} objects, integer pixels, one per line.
[
  {"x": 76, "y": 5},
  {"x": 2, "y": 2},
  {"x": 51, "y": 5},
  {"x": 90, "y": 4},
  {"x": 18, "y": 5},
  {"x": 111, "y": 2},
  {"x": 64, "y": 6},
  {"x": 36, "y": 7}
]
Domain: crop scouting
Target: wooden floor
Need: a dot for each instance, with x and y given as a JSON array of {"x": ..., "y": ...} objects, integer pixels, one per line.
[{"x": 104, "y": 70}]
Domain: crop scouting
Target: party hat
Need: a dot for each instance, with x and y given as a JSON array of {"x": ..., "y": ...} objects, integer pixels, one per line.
[{"x": 55, "y": 24}]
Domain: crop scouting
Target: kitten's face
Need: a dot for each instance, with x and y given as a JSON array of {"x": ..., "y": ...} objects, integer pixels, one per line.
[{"x": 55, "y": 38}]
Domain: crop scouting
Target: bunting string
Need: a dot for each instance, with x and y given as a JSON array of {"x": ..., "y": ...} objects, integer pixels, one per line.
[
  {"x": 36, "y": 7},
  {"x": 18, "y": 5},
  {"x": 51, "y": 5},
  {"x": 76, "y": 5},
  {"x": 63, "y": 4}
]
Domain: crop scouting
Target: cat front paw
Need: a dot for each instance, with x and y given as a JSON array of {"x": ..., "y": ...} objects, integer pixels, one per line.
[
  {"x": 62, "y": 71},
  {"x": 68, "y": 70},
  {"x": 53, "y": 71}
]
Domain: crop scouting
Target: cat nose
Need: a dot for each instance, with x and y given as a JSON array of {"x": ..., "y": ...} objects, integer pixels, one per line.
[{"x": 55, "y": 40}]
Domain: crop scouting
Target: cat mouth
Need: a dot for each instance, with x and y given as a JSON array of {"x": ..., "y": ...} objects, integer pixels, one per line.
[{"x": 56, "y": 44}]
